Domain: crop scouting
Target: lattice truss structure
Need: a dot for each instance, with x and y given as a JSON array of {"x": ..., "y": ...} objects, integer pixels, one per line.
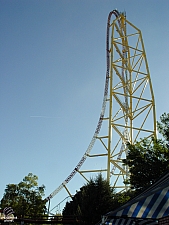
[
  {"x": 131, "y": 114},
  {"x": 128, "y": 109}
]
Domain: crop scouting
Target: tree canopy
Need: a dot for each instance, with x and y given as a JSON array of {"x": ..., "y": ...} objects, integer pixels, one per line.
[
  {"x": 93, "y": 200},
  {"x": 149, "y": 159},
  {"x": 163, "y": 127},
  {"x": 25, "y": 198}
]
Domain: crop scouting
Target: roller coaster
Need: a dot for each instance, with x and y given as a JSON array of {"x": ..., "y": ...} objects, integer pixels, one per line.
[{"x": 128, "y": 108}]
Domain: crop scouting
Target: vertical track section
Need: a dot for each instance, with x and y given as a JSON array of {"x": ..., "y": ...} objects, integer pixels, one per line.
[
  {"x": 86, "y": 154},
  {"x": 128, "y": 107},
  {"x": 131, "y": 96}
]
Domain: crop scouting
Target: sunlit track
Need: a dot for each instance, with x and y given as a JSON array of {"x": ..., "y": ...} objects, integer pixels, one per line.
[
  {"x": 128, "y": 107},
  {"x": 115, "y": 12}
]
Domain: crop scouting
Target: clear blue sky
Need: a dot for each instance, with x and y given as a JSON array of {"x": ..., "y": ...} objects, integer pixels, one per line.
[{"x": 52, "y": 77}]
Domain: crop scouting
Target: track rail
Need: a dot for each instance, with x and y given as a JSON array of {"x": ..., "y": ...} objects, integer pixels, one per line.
[{"x": 75, "y": 170}]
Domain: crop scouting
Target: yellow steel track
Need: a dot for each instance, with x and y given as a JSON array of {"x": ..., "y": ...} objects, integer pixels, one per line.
[
  {"x": 128, "y": 109},
  {"x": 131, "y": 115}
]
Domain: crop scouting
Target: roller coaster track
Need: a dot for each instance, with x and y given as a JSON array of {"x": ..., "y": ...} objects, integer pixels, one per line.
[
  {"x": 128, "y": 91},
  {"x": 75, "y": 170}
]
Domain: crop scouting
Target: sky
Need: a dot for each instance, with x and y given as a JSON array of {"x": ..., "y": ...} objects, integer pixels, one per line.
[{"x": 52, "y": 75}]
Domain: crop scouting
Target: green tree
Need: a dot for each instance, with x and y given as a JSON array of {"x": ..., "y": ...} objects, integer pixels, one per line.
[
  {"x": 93, "y": 200},
  {"x": 25, "y": 198},
  {"x": 147, "y": 161},
  {"x": 163, "y": 127}
]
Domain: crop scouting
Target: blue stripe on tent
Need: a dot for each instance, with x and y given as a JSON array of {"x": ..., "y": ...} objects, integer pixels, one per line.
[
  {"x": 128, "y": 222},
  {"x": 160, "y": 206},
  {"x": 125, "y": 211},
  {"x": 151, "y": 203},
  {"x": 116, "y": 222},
  {"x": 166, "y": 213},
  {"x": 119, "y": 221},
  {"x": 131, "y": 221},
  {"x": 124, "y": 222},
  {"x": 138, "y": 207}
]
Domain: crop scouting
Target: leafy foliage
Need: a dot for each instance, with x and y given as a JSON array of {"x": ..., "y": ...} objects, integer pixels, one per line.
[
  {"x": 163, "y": 127},
  {"x": 25, "y": 198},
  {"x": 147, "y": 161},
  {"x": 123, "y": 197},
  {"x": 93, "y": 200}
]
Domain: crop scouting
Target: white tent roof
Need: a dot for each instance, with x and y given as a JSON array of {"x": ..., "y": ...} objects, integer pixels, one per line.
[{"x": 149, "y": 206}]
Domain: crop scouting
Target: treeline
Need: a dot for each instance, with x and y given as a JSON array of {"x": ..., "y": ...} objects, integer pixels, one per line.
[{"x": 147, "y": 161}]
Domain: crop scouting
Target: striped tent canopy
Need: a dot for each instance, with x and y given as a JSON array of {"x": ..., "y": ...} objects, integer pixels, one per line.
[
  {"x": 146, "y": 208},
  {"x": 131, "y": 221}
]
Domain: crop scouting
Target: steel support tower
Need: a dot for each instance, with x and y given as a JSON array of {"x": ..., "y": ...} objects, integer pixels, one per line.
[{"x": 128, "y": 108}]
